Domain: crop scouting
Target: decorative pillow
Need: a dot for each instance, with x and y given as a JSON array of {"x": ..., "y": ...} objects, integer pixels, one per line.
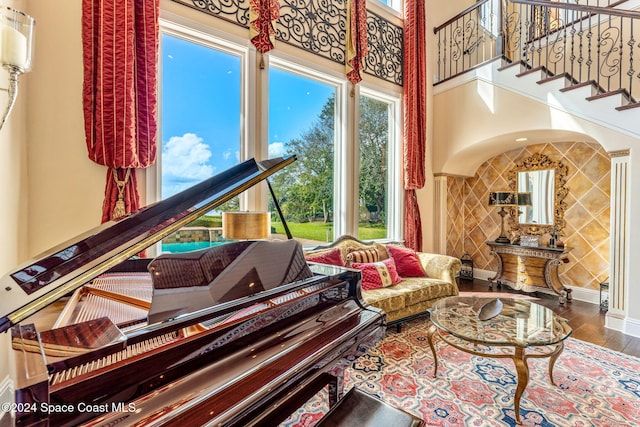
[
  {"x": 407, "y": 261},
  {"x": 362, "y": 255},
  {"x": 378, "y": 274},
  {"x": 332, "y": 257}
]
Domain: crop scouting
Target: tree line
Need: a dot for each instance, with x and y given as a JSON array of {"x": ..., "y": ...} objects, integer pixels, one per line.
[{"x": 305, "y": 188}]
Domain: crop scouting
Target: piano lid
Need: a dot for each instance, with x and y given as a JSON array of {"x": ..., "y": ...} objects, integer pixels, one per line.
[{"x": 58, "y": 271}]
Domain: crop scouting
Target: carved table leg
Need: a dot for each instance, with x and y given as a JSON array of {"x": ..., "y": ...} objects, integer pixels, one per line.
[
  {"x": 520, "y": 360},
  {"x": 552, "y": 359},
  {"x": 433, "y": 330},
  {"x": 498, "y": 274},
  {"x": 552, "y": 279}
]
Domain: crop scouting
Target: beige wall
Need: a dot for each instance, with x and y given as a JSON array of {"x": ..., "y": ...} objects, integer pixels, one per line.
[
  {"x": 476, "y": 120},
  {"x": 65, "y": 187},
  {"x": 437, "y": 12},
  {"x": 13, "y": 171}
]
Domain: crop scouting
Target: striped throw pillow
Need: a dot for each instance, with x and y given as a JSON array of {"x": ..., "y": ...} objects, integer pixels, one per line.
[{"x": 362, "y": 256}]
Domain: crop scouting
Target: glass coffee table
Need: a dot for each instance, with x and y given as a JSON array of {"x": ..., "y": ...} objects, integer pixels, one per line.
[{"x": 520, "y": 331}]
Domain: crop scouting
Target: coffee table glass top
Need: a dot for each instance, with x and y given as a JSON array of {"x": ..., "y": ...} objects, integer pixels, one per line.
[{"x": 520, "y": 322}]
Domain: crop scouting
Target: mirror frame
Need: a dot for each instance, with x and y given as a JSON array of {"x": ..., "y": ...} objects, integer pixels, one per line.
[{"x": 539, "y": 161}]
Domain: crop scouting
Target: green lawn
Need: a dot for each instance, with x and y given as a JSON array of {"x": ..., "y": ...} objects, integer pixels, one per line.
[{"x": 324, "y": 232}]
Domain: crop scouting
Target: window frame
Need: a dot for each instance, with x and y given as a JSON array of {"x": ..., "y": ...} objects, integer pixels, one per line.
[
  {"x": 395, "y": 196},
  {"x": 342, "y": 154}
]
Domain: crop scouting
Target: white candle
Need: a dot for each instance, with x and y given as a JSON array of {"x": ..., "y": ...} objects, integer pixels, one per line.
[{"x": 14, "y": 48}]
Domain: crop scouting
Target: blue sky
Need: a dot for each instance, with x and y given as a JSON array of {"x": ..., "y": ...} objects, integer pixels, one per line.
[{"x": 200, "y": 121}]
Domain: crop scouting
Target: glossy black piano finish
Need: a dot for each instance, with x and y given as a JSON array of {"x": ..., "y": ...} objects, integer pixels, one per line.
[
  {"x": 251, "y": 360},
  {"x": 53, "y": 274}
]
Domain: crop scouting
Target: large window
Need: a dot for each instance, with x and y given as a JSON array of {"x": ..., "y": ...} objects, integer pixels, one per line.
[
  {"x": 302, "y": 121},
  {"x": 201, "y": 101},
  {"x": 376, "y": 140},
  {"x": 217, "y": 111}
]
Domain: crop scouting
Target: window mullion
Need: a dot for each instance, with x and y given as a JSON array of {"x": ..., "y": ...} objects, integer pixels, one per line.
[{"x": 254, "y": 124}]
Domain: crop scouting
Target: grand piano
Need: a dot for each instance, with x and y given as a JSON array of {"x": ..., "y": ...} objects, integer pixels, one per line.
[{"x": 240, "y": 334}]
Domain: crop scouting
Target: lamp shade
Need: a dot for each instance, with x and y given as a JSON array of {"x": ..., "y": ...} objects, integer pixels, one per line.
[
  {"x": 503, "y": 198},
  {"x": 524, "y": 199},
  {"x": 244, "y": 225}
]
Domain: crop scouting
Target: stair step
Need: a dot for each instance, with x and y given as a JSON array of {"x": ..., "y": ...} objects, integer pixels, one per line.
[
  {"x": 541, "y": 69},
  {"x": 565, "y": 76},
  {"x": 609, "y": 100},
  {"x": 589, "y": 83},
  {"x": 628, "y": 106},
  {"x": 622, "y": 92},
  {"x": 510, "y": 64}
]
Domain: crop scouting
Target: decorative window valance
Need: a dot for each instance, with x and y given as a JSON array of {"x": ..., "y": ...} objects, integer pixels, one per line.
[{"x": 320, "y": 27}]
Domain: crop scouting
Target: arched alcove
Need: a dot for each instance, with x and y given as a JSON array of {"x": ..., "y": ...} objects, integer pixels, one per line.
[{"x": 587, "y": 215}]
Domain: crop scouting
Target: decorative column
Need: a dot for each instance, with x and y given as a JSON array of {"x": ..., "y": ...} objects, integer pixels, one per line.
[
  {"x": 440, "y": 214},
  {"x": 619, "y": 250}
]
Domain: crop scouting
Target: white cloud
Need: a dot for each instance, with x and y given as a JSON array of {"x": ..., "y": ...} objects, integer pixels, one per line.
[
  {"x": 184, "y": 162},
  {"x": 226, "y": 155},
  {"x": 276, "y": 149}
]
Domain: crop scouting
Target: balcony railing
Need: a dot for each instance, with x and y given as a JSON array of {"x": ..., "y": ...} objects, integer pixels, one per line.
[{"x": 586, "y": 42}]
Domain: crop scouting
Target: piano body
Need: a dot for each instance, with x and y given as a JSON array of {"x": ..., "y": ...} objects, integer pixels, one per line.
[{"x": 240, "y": 334}]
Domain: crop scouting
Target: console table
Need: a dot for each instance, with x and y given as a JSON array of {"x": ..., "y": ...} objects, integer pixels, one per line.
[{"x": 530, "y": 268}]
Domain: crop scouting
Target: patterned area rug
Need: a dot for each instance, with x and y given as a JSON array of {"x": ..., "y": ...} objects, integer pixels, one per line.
[{"x": 595, "y": 386}]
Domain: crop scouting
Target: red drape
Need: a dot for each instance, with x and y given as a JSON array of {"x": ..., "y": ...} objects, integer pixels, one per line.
[
  {"x": 262, "y": 14},
  {"x": 415, "y": 133},
  {"x": 356, "y": 43},
  {"x": 120, "y": 52}
]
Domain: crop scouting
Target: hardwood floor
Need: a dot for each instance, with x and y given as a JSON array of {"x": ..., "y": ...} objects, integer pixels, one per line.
[{"x": 586, "y": 320}]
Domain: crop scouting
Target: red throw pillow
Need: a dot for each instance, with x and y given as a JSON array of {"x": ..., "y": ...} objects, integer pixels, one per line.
[
  {"x": 332, "y": 257},
  {"x": 407, "y": 261},
  {"x": 378, "y": 274}
]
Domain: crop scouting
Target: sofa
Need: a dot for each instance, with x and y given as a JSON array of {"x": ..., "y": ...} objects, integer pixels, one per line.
[{"x": 424, "y": 278}]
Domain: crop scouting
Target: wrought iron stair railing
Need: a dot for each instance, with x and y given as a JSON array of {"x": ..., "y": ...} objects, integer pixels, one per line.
[{"x": 585, "y": 44}]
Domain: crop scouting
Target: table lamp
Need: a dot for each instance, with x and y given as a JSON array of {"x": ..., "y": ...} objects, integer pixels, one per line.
[{"x": 502, "y": 199}]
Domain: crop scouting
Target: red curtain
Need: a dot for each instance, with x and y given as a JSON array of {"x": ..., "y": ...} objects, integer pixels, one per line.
[
  {"x": 356, "y": 43},
  {"x": 120, "y": 51},
  {"x": 262, "y": 14},
  {"x": 415, "y": 133}
]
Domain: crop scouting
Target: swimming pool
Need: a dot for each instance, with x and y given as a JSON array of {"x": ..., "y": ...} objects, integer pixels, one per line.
[{"x": 187, "y": 246}]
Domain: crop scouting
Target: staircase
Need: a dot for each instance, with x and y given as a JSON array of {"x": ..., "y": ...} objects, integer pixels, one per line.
[{"x": 580, "y": 58}]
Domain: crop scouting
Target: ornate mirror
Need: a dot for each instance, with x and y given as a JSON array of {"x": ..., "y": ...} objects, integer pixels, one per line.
[{"x": 545, "y": 180}]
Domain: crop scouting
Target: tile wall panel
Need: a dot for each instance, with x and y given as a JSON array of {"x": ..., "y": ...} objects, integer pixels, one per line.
[{"x": 587, "y": 214}]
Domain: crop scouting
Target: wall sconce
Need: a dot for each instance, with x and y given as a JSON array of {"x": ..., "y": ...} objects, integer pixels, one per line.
[
  {"x": 16, "y": 50},
  {"x": 502, "y": 199},
  {"x": 244, "y": 225}
]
